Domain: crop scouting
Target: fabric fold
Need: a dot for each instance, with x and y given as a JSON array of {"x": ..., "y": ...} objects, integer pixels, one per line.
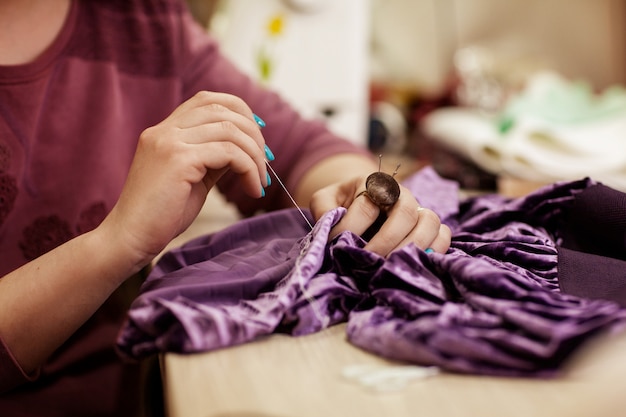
[{"x": 493, "y": 304}]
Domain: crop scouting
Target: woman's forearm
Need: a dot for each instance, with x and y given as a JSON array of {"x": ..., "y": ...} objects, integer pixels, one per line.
[{"x": 45, "y": 301}]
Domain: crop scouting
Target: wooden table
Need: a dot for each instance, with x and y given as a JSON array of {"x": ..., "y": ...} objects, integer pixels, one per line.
[{"x": 284, "y": 376}]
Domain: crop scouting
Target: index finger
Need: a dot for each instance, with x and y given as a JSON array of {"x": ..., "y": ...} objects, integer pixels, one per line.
[{"x": 208, "y": 106}]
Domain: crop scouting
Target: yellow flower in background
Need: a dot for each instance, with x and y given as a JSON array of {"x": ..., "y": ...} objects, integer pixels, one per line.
[
  {"x": 275, "y": 25},
  {"x": 265, "y": 58}
]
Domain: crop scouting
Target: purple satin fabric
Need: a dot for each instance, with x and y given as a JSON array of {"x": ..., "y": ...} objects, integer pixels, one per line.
[{"x": 491, "y": 305}]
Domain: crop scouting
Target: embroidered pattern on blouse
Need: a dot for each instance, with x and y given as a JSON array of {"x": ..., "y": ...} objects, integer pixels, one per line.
[
  {"x": 45, "y": 234},
  {"x": 48, "y": 232},
  {"x": 8, "y": 194},
  {"x": 5, "y": 157},
  {"x": 91, "y": 217}
]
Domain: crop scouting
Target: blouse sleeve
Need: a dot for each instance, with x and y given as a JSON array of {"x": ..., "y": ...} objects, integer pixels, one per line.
[
  {"x": 297, "y": 144},
  {"x": 11, "y": 373}
]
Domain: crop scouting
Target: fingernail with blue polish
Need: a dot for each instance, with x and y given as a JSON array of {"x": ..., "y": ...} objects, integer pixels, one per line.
[
  {"x": 268, "y": 154},
  {"x": 429, "y": 250},
  {"x": 259, "y": 121},
  {"x": 269, "y": 180},
  {"x": 262, "y": 192}
]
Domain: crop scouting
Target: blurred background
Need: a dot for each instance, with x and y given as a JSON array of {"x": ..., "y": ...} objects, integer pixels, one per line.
[{"x": 501, "y": 95}]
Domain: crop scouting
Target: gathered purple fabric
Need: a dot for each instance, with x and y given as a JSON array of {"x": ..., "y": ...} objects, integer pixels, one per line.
[{"x": 491, "y": 305}]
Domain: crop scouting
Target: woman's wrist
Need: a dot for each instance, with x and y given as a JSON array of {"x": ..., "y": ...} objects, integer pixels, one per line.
[{"x": 118, "y": 259}]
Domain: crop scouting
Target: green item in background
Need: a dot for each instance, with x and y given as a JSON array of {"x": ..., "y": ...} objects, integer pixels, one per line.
[{"x": 557, "y": 101}]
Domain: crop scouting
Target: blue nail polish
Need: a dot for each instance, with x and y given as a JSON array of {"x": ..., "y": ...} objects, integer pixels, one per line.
[
  {"x": 429, "y": 250},
  {"x": 269, "y": 180},
  {"x": 268, "y": 154},
  {"x": 259, "y": 121},
  {"x": 262, "y": 192}
]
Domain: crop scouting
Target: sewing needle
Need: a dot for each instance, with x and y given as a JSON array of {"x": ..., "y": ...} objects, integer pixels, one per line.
[{"x": 288, "y": 194}]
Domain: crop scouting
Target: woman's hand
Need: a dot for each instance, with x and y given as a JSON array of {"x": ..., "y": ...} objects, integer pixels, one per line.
[
  {"x": 177, "y": 162},
  {"x": 406, "y": 221}
]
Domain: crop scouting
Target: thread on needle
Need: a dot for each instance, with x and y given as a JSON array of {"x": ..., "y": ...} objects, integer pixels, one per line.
[
  {"x": 324, "y": 320},
  {"x": 288, "y": 194}
]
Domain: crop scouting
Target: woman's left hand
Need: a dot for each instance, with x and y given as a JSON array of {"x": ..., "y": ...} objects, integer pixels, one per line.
[{"x": 406, "y": 221}]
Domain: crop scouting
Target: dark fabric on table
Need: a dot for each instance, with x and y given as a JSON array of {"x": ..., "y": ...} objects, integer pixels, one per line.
[
  {"x": 491, "y": 305},
  {"x": 596, "y": 222},
  {"x": 592, "y": 259}
]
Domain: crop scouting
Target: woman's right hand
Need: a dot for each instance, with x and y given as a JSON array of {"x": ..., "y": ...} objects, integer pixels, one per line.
[{"x": 176, "y": 163}]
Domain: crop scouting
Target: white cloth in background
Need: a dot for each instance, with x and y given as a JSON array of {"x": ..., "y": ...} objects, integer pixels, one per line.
[{"x": 554, "y": 130}]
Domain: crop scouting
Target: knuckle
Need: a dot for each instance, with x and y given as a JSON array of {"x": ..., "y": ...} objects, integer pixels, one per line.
[
  {"x": 160, "y": 143},
  {"x": 316, "y": 199},
  {"x": 227, "y": 126},
  {"x": 445, "y": 231},
  {"x": 229, "y": 149},
  {"x": 430, "y": 217},
  {"x": 406, "y": 210},
  {"x": 151, "y": 136},
  {"x": 232, "y": 100},
  {"x": 215, "y": 97},
  {"x": 148, "y": 134},
  {"x": 317, "y": 194},
  {"x": 215, "y": 107},
  {"x": 204, "y": 96}
]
